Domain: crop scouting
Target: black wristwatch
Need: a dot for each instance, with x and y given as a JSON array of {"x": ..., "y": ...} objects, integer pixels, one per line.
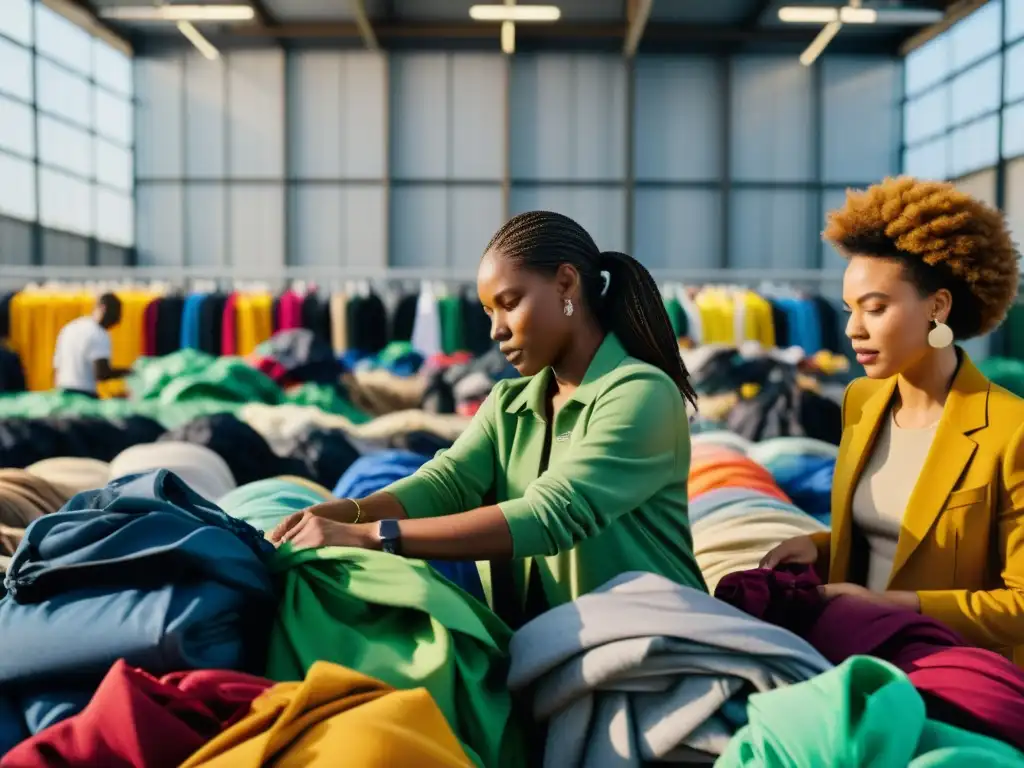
[{"x": 390, "y": 536}]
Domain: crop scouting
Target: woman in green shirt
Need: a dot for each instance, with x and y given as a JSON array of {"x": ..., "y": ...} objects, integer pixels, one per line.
[{"x": 576, "y": 471}]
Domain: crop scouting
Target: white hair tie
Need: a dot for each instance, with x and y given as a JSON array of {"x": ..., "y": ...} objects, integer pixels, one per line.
[{"x": 607, "y": 277}]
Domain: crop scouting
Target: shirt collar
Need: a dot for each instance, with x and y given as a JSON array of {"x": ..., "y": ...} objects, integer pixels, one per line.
[{"x": 607, "y": 358}]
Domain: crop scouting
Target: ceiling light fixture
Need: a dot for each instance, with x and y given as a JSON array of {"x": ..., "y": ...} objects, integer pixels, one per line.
[
  {"x": 854, "y": 14},
  {"x": 808, "y": 15},
  {"x": 820, "y": 43},
  {"x": 508, "y": 38},
  {"x": 197, "y": 39},
  {"x": 515, "y": 13},
  {"x": 189, "y": 13}
]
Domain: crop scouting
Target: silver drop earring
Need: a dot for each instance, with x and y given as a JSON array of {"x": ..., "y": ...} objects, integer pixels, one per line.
[
  {"x": 568, "y": 309},
  {"x": 940, "y": 336}
]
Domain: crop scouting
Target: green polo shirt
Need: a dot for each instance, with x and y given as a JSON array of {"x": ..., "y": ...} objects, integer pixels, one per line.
[{"x": 613, "y": 498}]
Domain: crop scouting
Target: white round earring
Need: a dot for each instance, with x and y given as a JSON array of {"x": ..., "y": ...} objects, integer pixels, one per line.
[
  {"x": 568, "y": 308},
  {"x": 940, "y": 336}
]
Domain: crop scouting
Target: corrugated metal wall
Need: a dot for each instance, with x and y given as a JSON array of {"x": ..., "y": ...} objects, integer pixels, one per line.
[{"x": 415, "y": 159}]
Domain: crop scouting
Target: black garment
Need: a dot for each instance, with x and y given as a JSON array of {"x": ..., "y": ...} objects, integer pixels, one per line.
[
  {"x": 211, "y": 322},
  {"x": 275, "y": 314},
  {"x": 241, "y": 446},
  {"x": 316, "y": 316},
  {"x": 302, "y": 356},
  {"x": 320, "y": 454},
  {"x": 169, "y": 312},
  {"x": 12, "y": 375},
  {"x": 26, "y": 441},
  {"x": 780, "y": 320},
  {"x": 476, "y": 325},
  {"x": 831, "y": 335},
  {"x": 5, "y": 315},
  {"x": 784, "y": 409},
  {"x": 405, "y": 318},
  {"x": 82, "y": 392},
  {"x": 367, "y": 324}
]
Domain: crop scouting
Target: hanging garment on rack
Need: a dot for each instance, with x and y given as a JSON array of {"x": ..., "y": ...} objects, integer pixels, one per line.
[
  {"x": 339, "y": 327},
  {"x": 404, "y": 318},
  {"x": 169, "y": 317},
  {"x": 254, "y": 321}
]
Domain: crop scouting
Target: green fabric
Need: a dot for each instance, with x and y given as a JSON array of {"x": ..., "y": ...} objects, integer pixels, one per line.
[
  {"x": 1005, "y": 372},
  {"x": 265, "y": 503},
  {"x": 179, "y": 387},
  {"x": 453, "y": 332},
  {"x": 865, "y": 712},
  {"x": 394, "y": 352},
  {"x": 398, "y": 620},
  {"x": 614, "y": 498},
  {"x": 677, "y": 316}
]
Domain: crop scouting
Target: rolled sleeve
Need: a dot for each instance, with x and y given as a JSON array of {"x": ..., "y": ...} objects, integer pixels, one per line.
[
  {"x": 632, "y": 449},
  {"x": 457, "y": 478}
]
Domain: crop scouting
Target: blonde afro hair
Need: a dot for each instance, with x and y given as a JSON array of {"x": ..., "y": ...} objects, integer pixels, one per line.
[{"x": 945, "y": 239}]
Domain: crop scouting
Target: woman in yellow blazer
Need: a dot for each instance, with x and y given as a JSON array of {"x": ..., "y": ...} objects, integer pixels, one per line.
[{"x": 928, "y": 493}]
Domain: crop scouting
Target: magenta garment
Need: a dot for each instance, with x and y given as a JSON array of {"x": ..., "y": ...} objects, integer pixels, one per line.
[
  {"x": 289, "y": 311},
  {"x": 973, "y": 688},
  {"x": 228, "y": 326},
  {"x": 149, "y": 319}
]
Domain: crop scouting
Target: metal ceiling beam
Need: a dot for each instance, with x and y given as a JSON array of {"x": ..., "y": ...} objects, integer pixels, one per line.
[
  {"x": 760, "y": 8},
  {"x": 365, "y": 27},
  {"x": 954, "y": 13},
  {"x": 654, "y": 32},
  {"x": 263, "y": 15},
  {"x": 638, "y": 12}
]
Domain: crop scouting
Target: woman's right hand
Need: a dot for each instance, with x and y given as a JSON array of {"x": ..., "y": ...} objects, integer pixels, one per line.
[
  {"x": 800, "y": 550},
  {"x": 338, "y": 510}
]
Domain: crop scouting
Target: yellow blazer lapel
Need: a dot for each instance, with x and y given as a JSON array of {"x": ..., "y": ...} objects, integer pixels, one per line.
[
  {"x": 966, "y": 411},
  {"x": 857, "y": 443}
]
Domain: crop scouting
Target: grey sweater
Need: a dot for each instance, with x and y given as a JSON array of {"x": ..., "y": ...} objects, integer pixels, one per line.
[{"x": 641, "y": 669}]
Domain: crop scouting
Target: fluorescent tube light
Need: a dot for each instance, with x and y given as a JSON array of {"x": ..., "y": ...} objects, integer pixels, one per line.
[
  {"x": 820, "y": 43},
  {"x": 515, "y": 13},
  {"x": 192, "y": 13},
  {"x": 850, "y": 15},
  {"x": 508, "y": 37},
  {"x": 195, "y": 37},
  {"x": 796, "y": 14}
]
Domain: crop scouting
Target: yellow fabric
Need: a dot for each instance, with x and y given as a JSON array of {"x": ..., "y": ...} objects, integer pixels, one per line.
[
  {"x": 763, "y": 323},
  {"x": 253, "y": 321},
  {"x": 717, "y": 314},
  {"x": 336, "y": 717},
  {"x": 36, "y": 319},
  {"x": 961, "y": 542}
]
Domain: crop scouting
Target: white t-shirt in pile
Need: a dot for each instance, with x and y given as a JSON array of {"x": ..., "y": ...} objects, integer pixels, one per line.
[{"x": 80, "y": 344}]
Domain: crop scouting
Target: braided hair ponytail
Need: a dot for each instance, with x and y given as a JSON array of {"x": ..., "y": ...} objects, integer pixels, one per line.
[{"x": 625, "y": 299}]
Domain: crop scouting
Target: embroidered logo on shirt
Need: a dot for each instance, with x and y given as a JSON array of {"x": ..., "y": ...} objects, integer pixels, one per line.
[{"x": 563, "y": 437}]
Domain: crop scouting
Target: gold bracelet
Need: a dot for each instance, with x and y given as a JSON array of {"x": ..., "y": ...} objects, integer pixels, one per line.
[{"x": 359, "y": 511}]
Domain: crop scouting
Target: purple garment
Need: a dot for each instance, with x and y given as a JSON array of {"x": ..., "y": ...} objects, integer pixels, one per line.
[
  {"x": 787, "y": 597},
  {"x": 973, "y": 688}
]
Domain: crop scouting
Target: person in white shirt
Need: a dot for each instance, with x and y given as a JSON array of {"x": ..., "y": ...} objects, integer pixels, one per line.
[{"x": 82, "y": 355}]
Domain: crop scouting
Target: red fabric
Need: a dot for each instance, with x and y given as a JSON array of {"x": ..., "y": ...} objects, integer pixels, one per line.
[
  {"x": 149, "y": 318},
  {"x": 228, "y": 333},
  {"x": 289, "y": 311},
  {"x": 135, "y": 719}
]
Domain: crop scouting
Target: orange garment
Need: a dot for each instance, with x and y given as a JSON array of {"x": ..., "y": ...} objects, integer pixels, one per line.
[
  {"x": 732, "y": 472},
  {"x": 337, "y": 716}
]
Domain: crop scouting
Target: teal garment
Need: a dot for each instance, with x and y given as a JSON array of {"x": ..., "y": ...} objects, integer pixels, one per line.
[
  {"x": 865, "y": 713},
  {"x": 1007, "y": 373},
  {"x": 179, "y": 387},
  {"x": 265, "y": 503},
  {"x": 677, "y": 316},
  {"x": 398, "y": 620},
  {"x": 453, "y": 330}
]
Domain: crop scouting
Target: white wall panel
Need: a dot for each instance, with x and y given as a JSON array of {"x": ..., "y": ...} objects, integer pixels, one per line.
[
  {"x": 1014, "y": 20},
  {"x": 927, "y": 115},
  {"x": 17, "y": 128},
  {"x": 16, "y": 20},
  {"x": 678, "y": 228},
  {"x": 1013, "y": 131},
  {"x": 474, "y": 215},
  {"x": 62, "y": 40},
  {"x": 16, "y": 71},
  {"x": 420, "y": 112},
  {"x": 112, "y": 69},
  {"x": 255, "y": 110},
  {"x": 205, "y": 224},
  {"x": 568, "y": 117},
  {"x": 975, "y": 146},
  {"x": 112, "y": 116},
  {"x": 159, "y": 234},
  {"x": 113, "y": 165},
  {"x": 976, "y": 91},
  {"x": 771, "y": 134},
  {"x": 678, "y": 114},
  {"x": 205, "y": 117},
  {"x": 335, "y": 225},
  {"x": 930, "y": 160},
  {"x": 860, "y": 118},
  {"x": 976, "y": 36},
  {"x": 776, "y": 227},
  {"x": 256, "y": 225},
  {"x": 18, "y": 190},
  {"x": 65, "y": 202},
  {"x": 419, "y": 226},
  {"x": 831, "y": 200},
  {"x": 477, "y": 124},
  {"x": 599, "y": 210},
  {"x": 339, "y": 113},
  {"x": 61, "y": 93},
  {"x": 115, "y": 217},
  {"x": 980, "y": 185},
  {"x": 1015, "y": 199},
  {"x": 1014, "y": 67},
  {"x": 158, "y": 116},
  {"x": 65, "y": 147},
  {"x": 15, "y": 241},
  {"x": 927, "y": 65}
]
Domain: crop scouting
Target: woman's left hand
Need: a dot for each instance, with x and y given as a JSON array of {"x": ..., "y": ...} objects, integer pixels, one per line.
[
  {"x": 905, "y": 600},
  {"x": 314, "y": 531}
]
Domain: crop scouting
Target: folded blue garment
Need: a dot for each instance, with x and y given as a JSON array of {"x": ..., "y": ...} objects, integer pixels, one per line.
[
  {"x": 144, "y": 530},
  {"x": 12, "y": 726},
  {"x": 145, "y": 570}
]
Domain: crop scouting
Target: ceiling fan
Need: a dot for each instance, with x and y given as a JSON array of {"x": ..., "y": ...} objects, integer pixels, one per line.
[{"x": 834, "y": 17}]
